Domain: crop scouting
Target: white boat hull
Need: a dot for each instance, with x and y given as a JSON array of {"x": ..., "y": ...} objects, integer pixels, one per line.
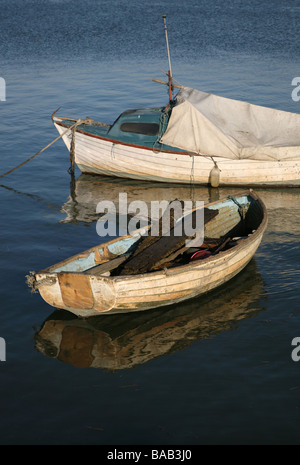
[{"x": 97, "y": 155}]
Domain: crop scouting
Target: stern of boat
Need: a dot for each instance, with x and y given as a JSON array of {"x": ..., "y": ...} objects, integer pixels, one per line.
[{"x": 83, "y": 295}]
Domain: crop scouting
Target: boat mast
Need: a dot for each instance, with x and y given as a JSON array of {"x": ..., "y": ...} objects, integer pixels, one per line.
[{"x": 168, "y": 50}]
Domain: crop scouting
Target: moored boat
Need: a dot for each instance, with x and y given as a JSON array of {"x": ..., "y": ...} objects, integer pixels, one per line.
[
  {"x": 186, "y": 141},
  {"x": 95, "y": 282},
  {"x": 197, "y": 138}
]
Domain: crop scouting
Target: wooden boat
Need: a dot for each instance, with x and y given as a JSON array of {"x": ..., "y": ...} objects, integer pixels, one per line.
[
  {"x": 161, "y": 144},
  {"x": 196, "y": 138},
  {"x": 81, "y": 284}
]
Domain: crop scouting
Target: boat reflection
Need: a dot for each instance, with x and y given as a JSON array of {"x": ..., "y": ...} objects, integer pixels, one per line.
[
  {"x": 117, "y": 342},
  {"x": 88, "y": 190}
]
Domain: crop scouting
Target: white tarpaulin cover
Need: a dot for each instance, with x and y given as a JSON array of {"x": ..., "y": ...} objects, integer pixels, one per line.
[{"x": 216, "y": 126}]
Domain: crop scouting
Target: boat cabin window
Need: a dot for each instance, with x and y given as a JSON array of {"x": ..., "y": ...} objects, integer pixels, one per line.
[{"x": 148, "y": 129}]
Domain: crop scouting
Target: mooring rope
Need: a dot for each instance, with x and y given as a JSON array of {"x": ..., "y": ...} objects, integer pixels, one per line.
[
  {"x": 43, "y": 149},
  {"x": 72, "y": 152},
  {"x": 34, "y": 285},
  {"x": 192, "y": 175},
  {"x": 241, "y": 208}
]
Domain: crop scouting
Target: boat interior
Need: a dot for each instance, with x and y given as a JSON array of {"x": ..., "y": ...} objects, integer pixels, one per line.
[{"x": 229, "y": 222}]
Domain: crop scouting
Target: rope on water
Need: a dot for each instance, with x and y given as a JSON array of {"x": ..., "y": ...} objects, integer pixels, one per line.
[{"x": 43, "y": 149}]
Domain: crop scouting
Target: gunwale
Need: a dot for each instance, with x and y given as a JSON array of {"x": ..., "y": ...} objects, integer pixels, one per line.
[{"x": 128, "y": 144}]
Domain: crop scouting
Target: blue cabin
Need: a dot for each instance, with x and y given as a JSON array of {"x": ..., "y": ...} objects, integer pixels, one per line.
[{"x": 140, "y": 127}]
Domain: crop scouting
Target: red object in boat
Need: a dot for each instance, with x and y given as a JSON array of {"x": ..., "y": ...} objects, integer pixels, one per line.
[{"x": 200, "y": 254}]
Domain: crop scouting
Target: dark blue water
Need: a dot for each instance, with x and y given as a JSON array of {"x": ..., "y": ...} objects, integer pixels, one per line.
[{"x": 216, "y": 370}]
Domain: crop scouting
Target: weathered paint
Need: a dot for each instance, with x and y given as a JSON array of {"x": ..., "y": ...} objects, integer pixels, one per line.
[
  {"x": 88, "y": 294},
  {"x": 76, "y": 290},
  {"x": 96, "y": 154}
]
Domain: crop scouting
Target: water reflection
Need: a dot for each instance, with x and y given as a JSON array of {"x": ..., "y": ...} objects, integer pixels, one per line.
[
  {"x": 37, "y": 198},
  {"x": 88, "y": 190},
  {"x": 117, "y": 342},
  {"x": 282, "y": 203}
]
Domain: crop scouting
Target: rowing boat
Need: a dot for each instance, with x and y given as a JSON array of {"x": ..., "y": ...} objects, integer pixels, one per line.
[{"x": 116, "y": 276}]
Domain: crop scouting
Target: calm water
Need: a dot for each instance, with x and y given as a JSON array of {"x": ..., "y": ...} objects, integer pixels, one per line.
[{"x": 216, "y": 370}]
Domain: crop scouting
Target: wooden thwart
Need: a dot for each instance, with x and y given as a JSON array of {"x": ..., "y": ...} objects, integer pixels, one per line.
[
  {"x": 155, "y": 252},
  {"x": 107, "y": 266}
]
